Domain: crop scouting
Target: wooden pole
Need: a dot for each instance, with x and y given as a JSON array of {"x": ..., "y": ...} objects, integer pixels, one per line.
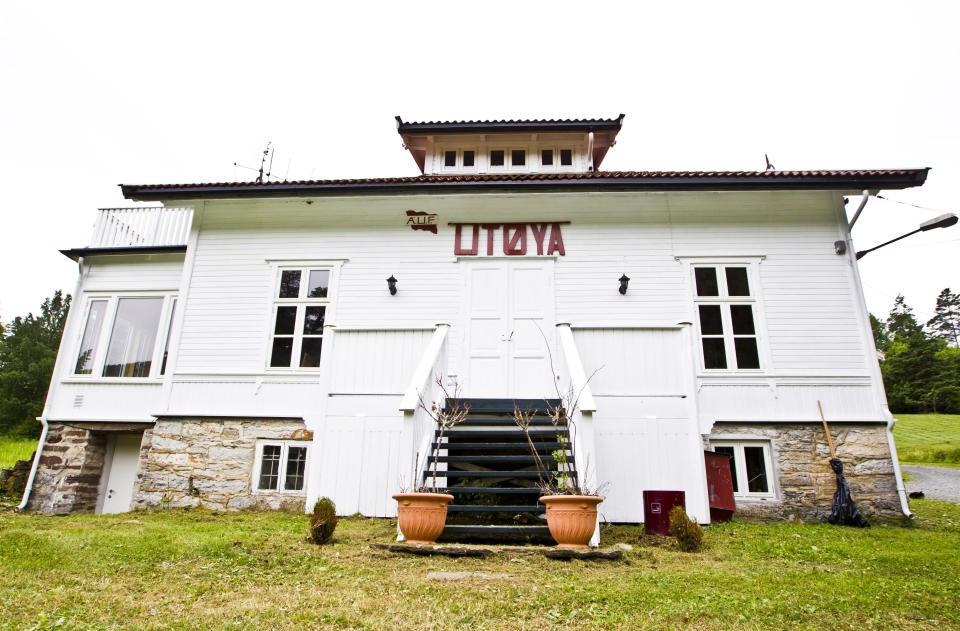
[{"x": 826, "y": 428}]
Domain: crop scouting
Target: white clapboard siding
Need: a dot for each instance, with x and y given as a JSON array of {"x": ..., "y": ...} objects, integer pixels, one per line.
[
  {"x": 133, "y": 273},
  {"x": 376, "y": 362}
]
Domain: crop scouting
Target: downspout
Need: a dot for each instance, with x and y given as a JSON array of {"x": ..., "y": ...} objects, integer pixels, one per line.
[
  {"x": 875, "y": 367},
  {"x": 36, "y": 463},
  {"x": 901, "y": 489}
]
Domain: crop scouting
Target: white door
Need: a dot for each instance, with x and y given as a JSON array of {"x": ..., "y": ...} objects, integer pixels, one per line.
[
  {"x": 509, "y": 329},
  {"x": 120, "y": 470}
]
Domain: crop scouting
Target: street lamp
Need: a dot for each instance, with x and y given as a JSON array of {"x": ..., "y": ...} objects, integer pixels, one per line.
[{"x": 943, "y": 221}]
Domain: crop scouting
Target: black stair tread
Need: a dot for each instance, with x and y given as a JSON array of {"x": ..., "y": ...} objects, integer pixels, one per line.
[
  {"x": 462, "y": 473},
  {"x": 474, "y": 458},
  {"x": 504, "y": 406},
  {"x": 493, "y": 490},
  {"x": 516, "y": 445},
  {"x": 496, "y": 530},
  {"x": 487, "y": 433},
  {"x": 495, "y": 508},
  {"x": 509, "y": 422}
]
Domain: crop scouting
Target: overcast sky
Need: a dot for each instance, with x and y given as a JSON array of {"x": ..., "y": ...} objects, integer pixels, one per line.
[{"x": 95, "y": 94}]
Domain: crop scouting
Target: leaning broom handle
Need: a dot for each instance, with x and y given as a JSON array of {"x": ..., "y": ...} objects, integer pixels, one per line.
[{"x": 826, "y": 428}]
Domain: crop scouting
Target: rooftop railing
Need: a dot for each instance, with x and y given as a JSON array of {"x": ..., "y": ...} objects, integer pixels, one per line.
[{"x": 141, "y": 227}]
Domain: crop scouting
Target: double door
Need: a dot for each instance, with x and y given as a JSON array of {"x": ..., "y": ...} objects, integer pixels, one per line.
[{"x": 509, "y": 329}]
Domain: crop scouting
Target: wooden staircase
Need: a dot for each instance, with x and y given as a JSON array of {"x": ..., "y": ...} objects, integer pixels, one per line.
[{"x": 493, "y": 475}]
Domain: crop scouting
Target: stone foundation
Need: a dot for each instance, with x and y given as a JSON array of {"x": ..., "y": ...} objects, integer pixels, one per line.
[
  {"x": 209, "y": 463},
  {"x": 70, "y": 467},
  {"x": 805, "y": 482}
]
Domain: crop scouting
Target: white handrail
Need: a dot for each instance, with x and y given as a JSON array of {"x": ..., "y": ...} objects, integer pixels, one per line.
[
  {"x": 422, "y": 375},
  {"x": 141, "y": 227},
  {"x": 578, "y": 377}
]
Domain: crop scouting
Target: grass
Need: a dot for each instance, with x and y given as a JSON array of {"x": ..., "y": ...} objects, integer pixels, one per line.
[
  {"x": 928, "y": 438},
  {"x": 13, "y": 449},
  {"x": 200, "y": 570}
]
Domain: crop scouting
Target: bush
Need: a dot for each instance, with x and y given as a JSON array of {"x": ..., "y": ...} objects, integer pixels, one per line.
[
  {"x": 689, "y": 534},
  {"x": 323, "y": 521}
]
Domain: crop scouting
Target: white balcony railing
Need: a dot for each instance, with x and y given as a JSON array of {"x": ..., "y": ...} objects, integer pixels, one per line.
[{"x": 141, "y": 227}]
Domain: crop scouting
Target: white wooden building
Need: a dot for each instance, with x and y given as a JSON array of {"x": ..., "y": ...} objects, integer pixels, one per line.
[{"x": 239, "y": 345}]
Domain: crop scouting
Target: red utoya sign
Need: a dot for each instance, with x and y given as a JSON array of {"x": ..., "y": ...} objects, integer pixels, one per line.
[{"x": 546, "y": 236}]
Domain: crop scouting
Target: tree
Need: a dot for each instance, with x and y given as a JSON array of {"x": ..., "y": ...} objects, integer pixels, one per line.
[
  {"x": 880, "y": 336},
  {"x": 901, "y": 321},
  {"x": 28, "y": 350},
  {"x": 946, "y": 323}
]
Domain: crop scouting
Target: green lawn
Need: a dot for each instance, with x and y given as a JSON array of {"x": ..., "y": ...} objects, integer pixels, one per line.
[
  {"x": 200, "y": 570},
  {"x": 13, "y": 449},
  {"x": 928, "y": 438}
]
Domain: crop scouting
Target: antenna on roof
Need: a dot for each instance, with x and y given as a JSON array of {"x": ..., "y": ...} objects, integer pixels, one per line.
[
  {"x": 263, "y": 162},
  {"x": 770, "y": 166}
]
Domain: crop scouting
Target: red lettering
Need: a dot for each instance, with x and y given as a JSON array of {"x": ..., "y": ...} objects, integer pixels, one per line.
[
  {"x": 490, "y": 228},
  {"x": 458, "y": 249},
  {"x": 556, "y": 240},
  {"x": 510, "y": 241},
  {"x": 539, "y": 232}
]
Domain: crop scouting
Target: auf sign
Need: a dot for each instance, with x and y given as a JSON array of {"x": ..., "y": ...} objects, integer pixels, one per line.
[
  {"x": 544, "y": 235},
  {"x": 418, "y": 220}
]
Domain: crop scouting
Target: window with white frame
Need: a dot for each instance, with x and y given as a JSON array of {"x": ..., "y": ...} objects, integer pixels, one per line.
[
  {"x": 458, "y": 159},
  {"x": 300, "y": 307},
  {"x": 281, "y": 465},
  {"x": 751, "y": 466},
  {"x": 726, "y": 317},
  {"x": 125, "y": 336},
  {"x": 507, "y": 159}
]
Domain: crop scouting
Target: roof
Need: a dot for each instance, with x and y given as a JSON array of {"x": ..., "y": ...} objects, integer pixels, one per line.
[
  {"x": 847, "y": 180},
  {"x": 490, "y": 126},
  {"x": 76, "y": 253}
]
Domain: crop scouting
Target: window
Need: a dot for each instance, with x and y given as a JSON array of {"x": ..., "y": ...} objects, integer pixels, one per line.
[
  {"x": 726, "y": 317},
  {"x": 750, "y": 466},
  {"x": 125, "y": 336},
  {"x": 496, "y": 158},
  {"x": 546, "y": 158},
  {"x": 508, "y": 158},
  {"x": 281, "y": 465},
  {"x": 566, "y": 157},
  {"x": 449, "y": 158},
  {"x": 469, "y": 158},
  {"x": 299, "y": 313},
  {"x": 518, "y": 158}
]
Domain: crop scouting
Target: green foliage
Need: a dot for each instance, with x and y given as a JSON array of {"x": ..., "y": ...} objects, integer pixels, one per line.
[
  {"x": 13, "y": 449},
  {"x": 323, "y": 521},
  {"x": 945, "y": 324},
  {"x": 689, "y": 534},
  {"x": 28, "y": 351},
  {"x": 921, "y": 372}
]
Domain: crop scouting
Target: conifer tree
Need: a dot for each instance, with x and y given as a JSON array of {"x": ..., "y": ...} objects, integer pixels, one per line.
[{"x": 945, "y": 323}]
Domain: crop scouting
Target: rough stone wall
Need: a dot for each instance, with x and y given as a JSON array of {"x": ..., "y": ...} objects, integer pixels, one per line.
[
  {"x": 68, "y": 474},
  {"x": 209, "y": 463},
  {"x": 805, "y": 481}
]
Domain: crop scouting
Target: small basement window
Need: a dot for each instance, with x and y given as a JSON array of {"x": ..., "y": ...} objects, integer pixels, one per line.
[
  {"x": 750, "y": 466},
  {"x": 281, "y": 465}
]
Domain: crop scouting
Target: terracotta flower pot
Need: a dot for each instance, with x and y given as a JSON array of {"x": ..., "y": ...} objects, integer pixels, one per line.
[
  {"x": 422, "y": 515},
  {"x": 571, "y": 518}
]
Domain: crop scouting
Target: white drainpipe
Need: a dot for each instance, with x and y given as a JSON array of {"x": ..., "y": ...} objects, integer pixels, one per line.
[
  {"x": 901, "y": 489},
  {"x": 36, "y": 463}
]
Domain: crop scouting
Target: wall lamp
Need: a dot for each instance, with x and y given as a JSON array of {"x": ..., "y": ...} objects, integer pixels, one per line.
[
  {"x": 392, "y": 285},
  {"x": 943, "y": 221},
  {"x": 624, "y": 281}
]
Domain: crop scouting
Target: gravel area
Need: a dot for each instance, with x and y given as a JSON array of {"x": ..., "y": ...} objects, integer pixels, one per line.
[{"x": 937, "y": 483}]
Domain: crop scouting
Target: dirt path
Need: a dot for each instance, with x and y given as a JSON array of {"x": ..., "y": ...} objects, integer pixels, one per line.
[{"x": 937, "y": 483}]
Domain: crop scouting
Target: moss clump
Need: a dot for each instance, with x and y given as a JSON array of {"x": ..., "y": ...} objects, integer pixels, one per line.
[
  {"x": 689, "y": 534},
  {"x": 323, "y": 521}
]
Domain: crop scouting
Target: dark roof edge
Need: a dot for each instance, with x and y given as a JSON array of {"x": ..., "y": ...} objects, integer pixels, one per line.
[
  {"x": 906, "y": 179},
  {"x": 477, "y": 127},
  {"x": 76, "y": 253}
]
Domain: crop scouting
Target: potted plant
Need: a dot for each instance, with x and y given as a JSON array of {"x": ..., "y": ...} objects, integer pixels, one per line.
[
  {"x": 421, "y": 514},
  {"x": 571, "y": 505}
]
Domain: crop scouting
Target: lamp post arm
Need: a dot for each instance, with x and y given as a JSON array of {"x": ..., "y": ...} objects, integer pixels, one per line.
[{"x": 863, "y": 253}]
